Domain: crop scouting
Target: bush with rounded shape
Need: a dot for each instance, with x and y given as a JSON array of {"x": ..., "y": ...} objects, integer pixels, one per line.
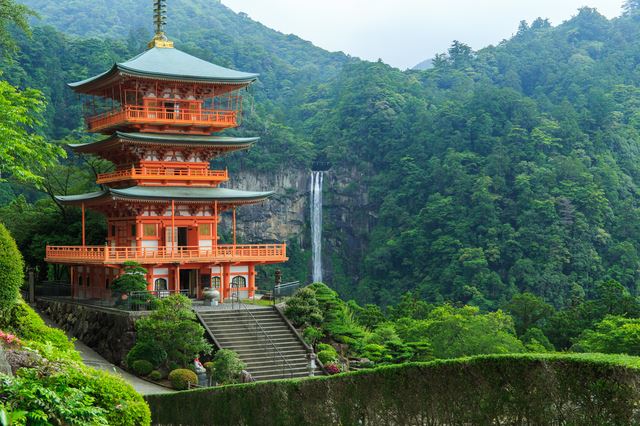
[
  {"x": 325, "y": 347},
  {"x": 155, "y": 375},
  {"x": 181, "y": 377},
  {"x": 11, "y": 270},
  {"x": 327, "y": 356},
  {"x": 124, "y": 406},
  {"x": 147, "y": 350},
  {"x": 142, "y": 367}
]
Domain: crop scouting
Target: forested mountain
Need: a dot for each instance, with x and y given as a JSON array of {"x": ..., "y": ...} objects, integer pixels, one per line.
[{"x": 510, "y": 169}]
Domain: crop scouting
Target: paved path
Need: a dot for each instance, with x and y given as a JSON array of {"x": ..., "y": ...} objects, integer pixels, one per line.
[{"x": 95, "y": 360}]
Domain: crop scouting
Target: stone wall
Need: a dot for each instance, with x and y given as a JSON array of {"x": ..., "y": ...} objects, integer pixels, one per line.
[{"x": 110, "y": 332}]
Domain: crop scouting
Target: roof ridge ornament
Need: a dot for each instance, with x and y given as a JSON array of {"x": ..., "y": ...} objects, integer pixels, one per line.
[{"x": 160, "y": 19}]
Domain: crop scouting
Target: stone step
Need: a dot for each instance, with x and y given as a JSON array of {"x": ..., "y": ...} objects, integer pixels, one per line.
[
  {"x": 258, "y": 338},
  {"x": 238, "y": 331}
]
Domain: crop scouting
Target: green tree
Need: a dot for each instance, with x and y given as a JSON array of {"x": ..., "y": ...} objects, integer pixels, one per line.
[
  {"x": 173, "y": 328},
  {"x": 12, "y": 14},
  {"x": 134, "y": 278},
  {"x": 614, "y": 335},
  {"x": 24, "y": 154},
  {"x": 528, "y": 310}
]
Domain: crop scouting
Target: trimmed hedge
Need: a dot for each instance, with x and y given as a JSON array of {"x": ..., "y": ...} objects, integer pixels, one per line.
[{"x": 492, "y": 389}]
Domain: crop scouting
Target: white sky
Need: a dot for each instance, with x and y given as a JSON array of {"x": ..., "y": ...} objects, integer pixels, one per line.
[{"x": 405, "y": 32}]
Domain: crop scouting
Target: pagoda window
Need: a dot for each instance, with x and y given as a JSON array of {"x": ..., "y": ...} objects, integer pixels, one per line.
[
  {"x": 106, "y": 283},
  {"x": 160, "y": 284},
  {"x": 113, "y": 230},
  {"x": 149, "y": 230},
  {"x": 204, "y": 229},
  {"x": 88, "y": 281},
  {"x": 215, "y": 282},
  {"x": 79, "y": 280},
  {"x": 133, "y": 230},
  {"x": 238, "y": 282}
]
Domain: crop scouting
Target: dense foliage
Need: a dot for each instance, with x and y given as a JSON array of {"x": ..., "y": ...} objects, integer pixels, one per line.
[
  {"x": 11, "y": 271},
  {"x": 226, "y": 367},
  {"x": 51, "y": 386},
  {"x": 169, "y": 336},
  {"x": 414, "y": 330},
  {"x": 512, "y": 389},
  {"x": 502, "y": 179},
  {"x": 133, "y": 279}
]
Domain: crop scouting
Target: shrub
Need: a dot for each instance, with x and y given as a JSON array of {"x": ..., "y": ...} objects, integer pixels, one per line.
[
  {"x": 173, "y": 328},
  {"x": 23, "y": 321},
  {"x": 155, "y": 375},
  {"x": 209, "y": 367},
  {"x": 311, "y": 335},
  {"x": 227, "y": 366},
  {"x": 123, "y": 405},
  {"x": 325, "y": 347},
  {"x": 142, "y": 367},
  {"x": 303, "y": 309},
  {"x": 11, "y": 271},
  {"x": 332, "y": 368},
  {"x": 327, "y": 356},
  {"x": 181, "y": 378},
  {"x": 133, "y": 279},
  {"x": 147, "y": 350}
]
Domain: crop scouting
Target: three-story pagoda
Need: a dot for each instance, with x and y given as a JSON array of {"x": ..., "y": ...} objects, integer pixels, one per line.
[{"x": 161, "y": 113}]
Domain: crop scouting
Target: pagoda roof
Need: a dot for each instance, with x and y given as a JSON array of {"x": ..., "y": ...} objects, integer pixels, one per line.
[
  {"x": 166, "y": 64},
  {"x": 224, "y": 142},
  {"x": 168, "y": 193}
]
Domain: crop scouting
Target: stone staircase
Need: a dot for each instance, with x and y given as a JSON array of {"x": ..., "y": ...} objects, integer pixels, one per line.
[{"x": 237, "y": 330}]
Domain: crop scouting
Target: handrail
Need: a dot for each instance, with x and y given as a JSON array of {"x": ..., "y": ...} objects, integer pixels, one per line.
[
  {"x": 139, "y": 113},
  {"x": 270, "y": 341},
  {"x": 217, "y": 252},
  {"x": 165, "y": 172},
  {"x": 308, "y": 347}
]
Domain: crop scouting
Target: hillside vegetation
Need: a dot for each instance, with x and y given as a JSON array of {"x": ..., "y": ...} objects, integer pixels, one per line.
[{"x": 509, "y": 170}]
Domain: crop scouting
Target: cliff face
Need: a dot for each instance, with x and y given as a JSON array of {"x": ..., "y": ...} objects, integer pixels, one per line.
[{"x": 285, "y": 216}]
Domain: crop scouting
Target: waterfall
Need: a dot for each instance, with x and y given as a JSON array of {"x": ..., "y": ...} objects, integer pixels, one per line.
[{"x": 316, "y": 225}]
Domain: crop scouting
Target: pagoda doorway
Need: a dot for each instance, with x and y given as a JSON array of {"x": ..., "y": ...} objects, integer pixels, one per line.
[
  {"x": 183, "y": 237},
  {"x": 189, "y": 282}
]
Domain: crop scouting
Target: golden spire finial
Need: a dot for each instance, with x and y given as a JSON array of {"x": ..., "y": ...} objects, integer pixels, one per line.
[{"x": 160, "y": 20}]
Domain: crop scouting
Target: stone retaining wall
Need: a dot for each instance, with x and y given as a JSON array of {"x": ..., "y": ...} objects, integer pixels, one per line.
[{"x": 110, "y": 332}]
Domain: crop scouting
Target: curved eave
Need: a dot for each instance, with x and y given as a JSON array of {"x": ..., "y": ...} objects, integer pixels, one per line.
[
  {"x": 168, "y": 140},
  {"x": 167, "y": 194}
]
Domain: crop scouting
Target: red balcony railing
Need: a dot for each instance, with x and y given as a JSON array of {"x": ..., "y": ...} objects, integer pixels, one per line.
[
  {"x": 261, "y": 253},
  {"x": 164, "y": 173},
  {"x": 131, "y": 114}
]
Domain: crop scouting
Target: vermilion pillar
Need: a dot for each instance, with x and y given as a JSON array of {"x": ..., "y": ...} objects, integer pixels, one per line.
[
  {"x": 226, "y": 280},
  {"x": 252, "y": 280}
]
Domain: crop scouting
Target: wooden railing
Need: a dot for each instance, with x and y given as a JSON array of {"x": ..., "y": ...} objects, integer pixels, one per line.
[
  {"x": 157, "y": 115},
  {"x": 227, "y": 252},
  {"x": 164, "y": 174}
]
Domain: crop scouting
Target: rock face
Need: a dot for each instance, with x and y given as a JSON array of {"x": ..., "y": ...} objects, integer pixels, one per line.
[
  {"x": 347, "y": 215},
  {"x": 5, "y": 367},
  {"x": 109, "y": 332}
]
